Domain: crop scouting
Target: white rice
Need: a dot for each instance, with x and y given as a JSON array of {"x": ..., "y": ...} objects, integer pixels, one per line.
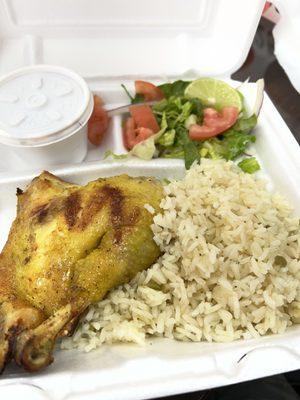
[{"x": 230, "y": 267}]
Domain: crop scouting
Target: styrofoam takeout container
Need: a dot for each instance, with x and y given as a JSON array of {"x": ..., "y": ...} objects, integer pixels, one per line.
[{"x": 162, "y": 366}]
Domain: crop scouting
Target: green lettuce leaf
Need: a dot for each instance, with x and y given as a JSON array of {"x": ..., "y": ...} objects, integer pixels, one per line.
[
  {"x": 235, "y": 143},
  {"x": 110, "y": 153},
  {"x": 190, "y": 149},
  {"x": 212, "y": 149},
  {"x": 229, "y": 146},
  {"x": 172, "y": 152},
  {"x": 197, "y": 108},
  {"x": 179, "y": 113},
  {"x": 191, "y": 120},
  {"x": 245, "y": 124},
  {"x": 178, "y": 110},
  {"x": 249, "y": 165},
  {"x": 167, "y": 139},
  {"x": 144, "y": 150},
  {"x": 176, "y": 88}
]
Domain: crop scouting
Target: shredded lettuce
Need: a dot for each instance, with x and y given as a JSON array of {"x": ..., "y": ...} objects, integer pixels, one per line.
[
  {"x": 167, "y": 138},
  {"x": 191, "y": 120},
  {"x": 211, "y": 149},
  {"x": 229, "y": 146},
  {"x": 144, "y": 150},
  {"x": 178, "y": 113},
  {"x": 163, "y": 127},
  {"x": 197, "y": 108},
  {"x": 110, "y": 153},
  {"x": 249, "y": 165},
  {"x": 245, "y": 124},
  {"x": 203, "y": 152},
  {"x": 173, "y": 152}
]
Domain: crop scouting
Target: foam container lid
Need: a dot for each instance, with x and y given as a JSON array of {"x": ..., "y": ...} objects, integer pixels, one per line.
[
  {"x": 112, "y": 43},
  {"x": 136, "y": 38}
]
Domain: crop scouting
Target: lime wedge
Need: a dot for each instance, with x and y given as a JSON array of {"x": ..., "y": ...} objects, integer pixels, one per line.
[{"x": 214, "y": 93}]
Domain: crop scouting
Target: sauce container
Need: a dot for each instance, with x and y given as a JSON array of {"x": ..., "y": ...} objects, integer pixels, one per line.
[{"x": 44, "y": 111}]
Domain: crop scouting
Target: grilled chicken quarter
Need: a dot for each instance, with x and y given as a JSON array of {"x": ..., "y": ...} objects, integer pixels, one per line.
[{"x": 68, "y": 246}]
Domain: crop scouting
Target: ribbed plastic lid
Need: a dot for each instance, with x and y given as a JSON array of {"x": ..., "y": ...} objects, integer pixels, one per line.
[{"x": 38, "y": 104}]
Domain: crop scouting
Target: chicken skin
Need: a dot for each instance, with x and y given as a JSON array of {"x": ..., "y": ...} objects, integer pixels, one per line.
[{"x": 68, "y": 246}]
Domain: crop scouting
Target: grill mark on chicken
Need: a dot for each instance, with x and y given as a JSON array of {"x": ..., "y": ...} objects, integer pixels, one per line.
[
  {"x": 40, "y": 213},
  {"x": 78, "y": 218},
  {"x": 91, "y": 209},
  {"x": 27, "y": 259},
  {"x": 133, "y": 216},
  {"x": 13, "y": 331},
  {"x": 116, "y": 200},
  {"x": 72, "y": 208}
]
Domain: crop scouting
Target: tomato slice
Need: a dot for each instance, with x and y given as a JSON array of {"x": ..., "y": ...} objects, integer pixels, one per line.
[
  {"x": 143, "y": 117},
  {"x": 140, "y": 126},
  {"x": 143, "y": 134},
  {"x": 214, "y": 123},
  {"x": 133, "y": 135},
  {"x": 98, "y": 122},
  {"x": 148, "y": 90},
  {"x": 129, "y": 133}
]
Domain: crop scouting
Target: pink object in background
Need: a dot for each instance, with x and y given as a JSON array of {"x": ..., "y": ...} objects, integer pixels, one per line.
[{"x": 270, "y": 12}]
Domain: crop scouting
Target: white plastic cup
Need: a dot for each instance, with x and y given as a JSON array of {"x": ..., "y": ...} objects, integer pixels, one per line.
[{"x": 44, "y": 112}]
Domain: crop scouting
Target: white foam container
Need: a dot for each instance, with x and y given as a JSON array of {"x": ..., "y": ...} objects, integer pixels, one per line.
[{"x": 103, "y": 34}]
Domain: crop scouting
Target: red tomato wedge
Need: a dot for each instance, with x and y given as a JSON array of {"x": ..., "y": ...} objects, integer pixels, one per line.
[
  {"x": 214, "y": 123},
  {"x": 143, "y": 117},
  {"x": 148, "y": 90},
  {"x": 142, "y": 134},
  {"x": 98, "y": 122},
  {"x": 133, "y": 135},
  {"x": 129, "y": 133},
  {"x": 140, "y": 126}
]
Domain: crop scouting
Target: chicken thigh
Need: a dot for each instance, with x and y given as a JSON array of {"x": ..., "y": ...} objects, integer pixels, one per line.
[{"x": 68, "y": 246}]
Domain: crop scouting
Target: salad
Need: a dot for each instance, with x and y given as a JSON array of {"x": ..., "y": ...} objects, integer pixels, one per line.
[{"x": 189, "y": 120}]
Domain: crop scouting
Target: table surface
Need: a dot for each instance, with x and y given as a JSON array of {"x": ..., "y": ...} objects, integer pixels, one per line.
[{"x": 261, "y": 62}]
